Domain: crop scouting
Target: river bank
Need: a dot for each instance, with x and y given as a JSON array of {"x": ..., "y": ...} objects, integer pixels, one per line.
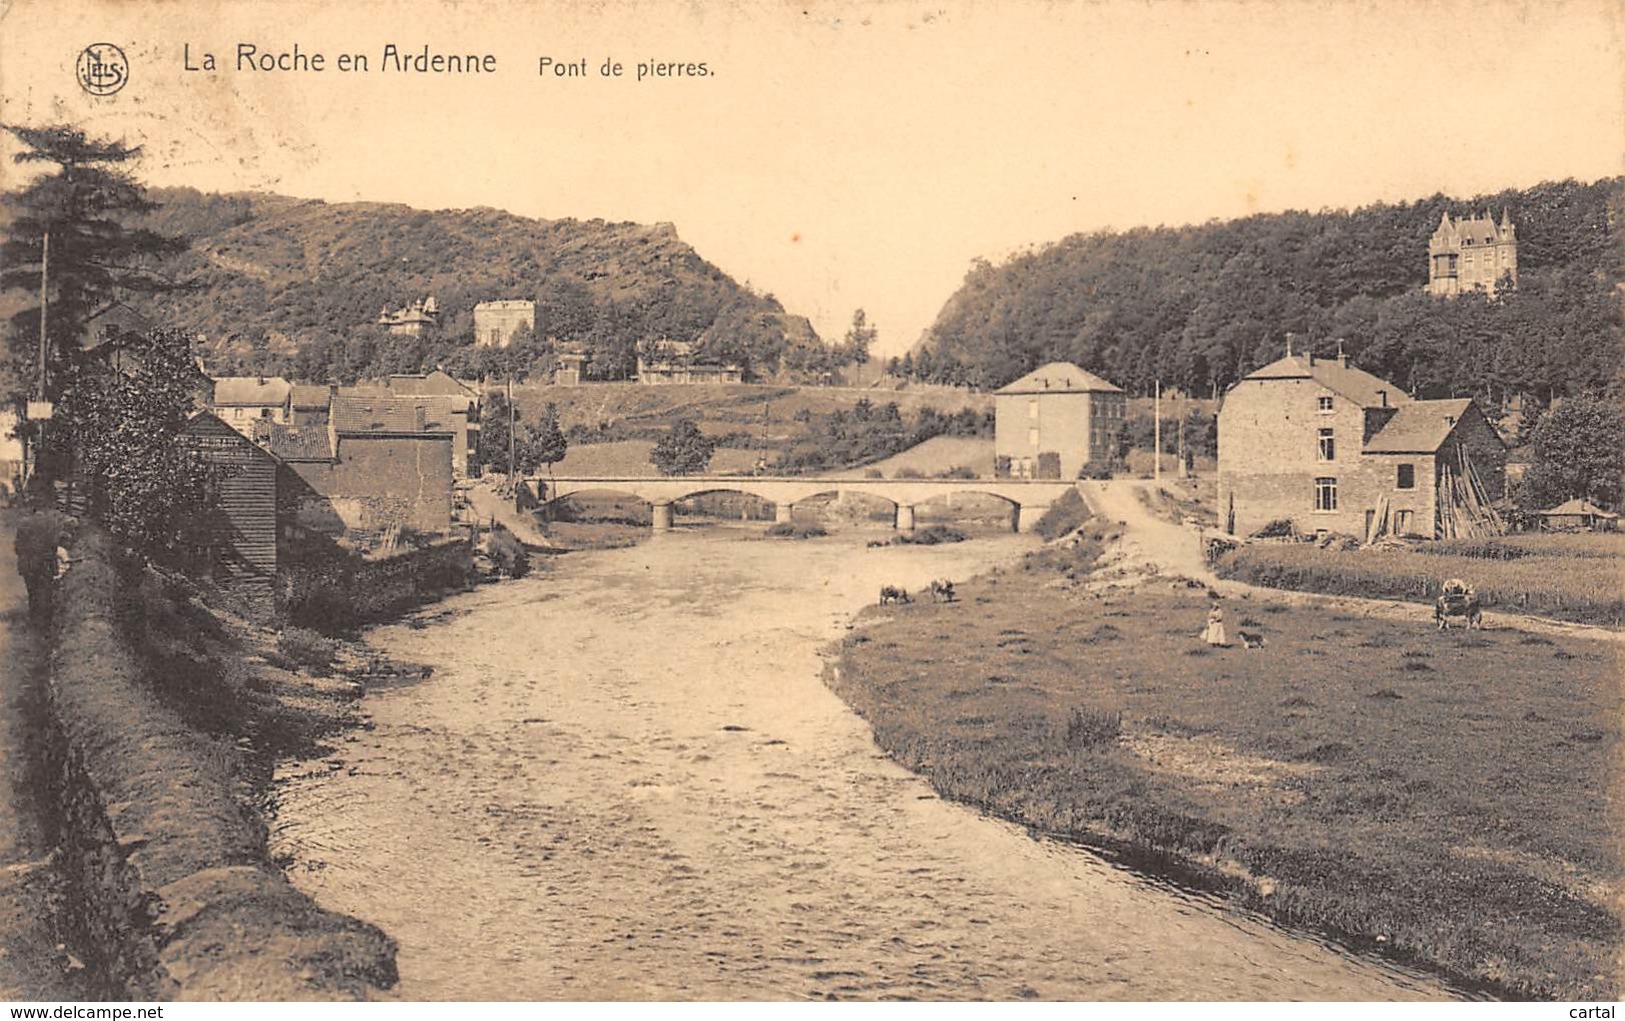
[
  {"x": 625, "y": 779},
  {"x": 158, "y": 726},
  {"x": 1411, "y": 791}
]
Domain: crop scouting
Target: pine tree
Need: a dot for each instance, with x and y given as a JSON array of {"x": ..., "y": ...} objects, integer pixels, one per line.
[{"x": 77, "y": 215}]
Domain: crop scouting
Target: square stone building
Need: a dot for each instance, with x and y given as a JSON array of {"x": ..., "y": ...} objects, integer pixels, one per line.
[
  {"x": 1332, "y": 448},
  {"x": 1054, "y": 421}
]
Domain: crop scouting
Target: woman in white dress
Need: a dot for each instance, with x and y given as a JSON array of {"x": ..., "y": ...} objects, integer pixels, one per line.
[{"x": 1215, "y": 633}]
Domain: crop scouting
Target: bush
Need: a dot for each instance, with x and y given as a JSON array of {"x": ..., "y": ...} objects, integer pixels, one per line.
[
  {"x": 1090, "y": 727},
  {"x": 931, "y": 535},
  {"x": 956, "y": 472},
  {"x": 508, "y": 554},
  {"x": 1063, "y": 516},
  {"x": 1095, "y": 470},
  {"x": 306, "y": 648},
  {"x": 909, "y": 473},
  {"x": 1001, "y": 466},
  {"x": 1280, "y": 528},
  {"x": 792, "y": 530}
]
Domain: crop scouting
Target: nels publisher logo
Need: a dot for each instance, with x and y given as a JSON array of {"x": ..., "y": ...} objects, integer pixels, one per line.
[{"x": 102, "y": 69}]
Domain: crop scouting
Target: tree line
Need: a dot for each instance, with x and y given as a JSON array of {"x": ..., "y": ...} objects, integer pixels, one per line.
[{"x": 1199, "y": 307}]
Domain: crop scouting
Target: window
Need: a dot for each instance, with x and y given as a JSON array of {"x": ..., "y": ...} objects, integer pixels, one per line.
[
  {"x": 1032, "y": 437},
  {"x": 1328, "y": 446},
  {"x": 1402, "y": 522},
  {"x": 1325, "y": 404},
  {"x": 1407, "y": 477},
  {"x": 1032, "y": 408},
  {"x": 1325, "y": 494}
]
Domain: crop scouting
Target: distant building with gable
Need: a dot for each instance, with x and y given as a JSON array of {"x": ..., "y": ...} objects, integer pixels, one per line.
[
  {"x": 1054, "y": 421},
  {"x": 411, "y": 320},
  {"x": 676, "y": 361},
  {"x": 1472, "y": 253},
  {"x": 240, "y": 401}
]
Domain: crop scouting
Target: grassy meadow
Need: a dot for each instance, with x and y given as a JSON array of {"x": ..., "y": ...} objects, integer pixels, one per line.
[
  {"x": 1571, "y": 577},
  {"x": 1444, "y": 796}
]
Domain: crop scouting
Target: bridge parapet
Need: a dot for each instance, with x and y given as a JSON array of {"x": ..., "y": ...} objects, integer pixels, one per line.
[{"x": 1030, "y": 497}]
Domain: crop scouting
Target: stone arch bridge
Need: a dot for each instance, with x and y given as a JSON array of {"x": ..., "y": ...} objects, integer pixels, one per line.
[{"x": 1029, "y": 498}]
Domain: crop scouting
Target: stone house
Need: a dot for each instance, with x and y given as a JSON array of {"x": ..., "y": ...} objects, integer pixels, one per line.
[
  {"x": 382, "y": 462},
  {"x": 1472, "y": 253},
  {"x": 496, "y": 322},
  {"x": 674, "y": 361},
  {"x": 1055, "y": 421},
  {"x": 1330, "y": 447},
  {"x": 411, "y": 320},
  {"x": 240, "y": 401}
]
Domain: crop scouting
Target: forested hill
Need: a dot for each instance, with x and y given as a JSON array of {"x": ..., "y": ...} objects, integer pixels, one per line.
[
  {"x": 1202, "y": 306},
  {"x": 289, "y": 285}
]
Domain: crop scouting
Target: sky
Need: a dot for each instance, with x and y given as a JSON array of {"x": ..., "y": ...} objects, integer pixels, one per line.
[{"x": 839, "y": 154}]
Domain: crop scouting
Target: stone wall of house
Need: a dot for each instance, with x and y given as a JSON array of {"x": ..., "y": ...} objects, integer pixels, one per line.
[
  {"x": 376, "y": 482},
  {"x": 495, "y": 322},
  {"x": 383, "y": 481},
  {"x": 1269, "y": 457}
]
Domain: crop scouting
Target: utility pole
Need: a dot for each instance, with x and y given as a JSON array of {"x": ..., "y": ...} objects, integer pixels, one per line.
[
  {"x": 44, "y": 299},
  {"x": 1179, "y": 441},
  {"x": 1156, "y": 433},
  {"x": 513, "y": 468}
]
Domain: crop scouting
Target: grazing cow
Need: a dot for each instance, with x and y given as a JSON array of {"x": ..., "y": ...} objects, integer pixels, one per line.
[
  {"x": 1458, "y": 600},
  {"x": 893, "y": 594},
  {"x": 942, "y": 591}
]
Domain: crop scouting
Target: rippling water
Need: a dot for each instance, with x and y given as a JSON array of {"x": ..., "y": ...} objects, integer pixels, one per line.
[{"x": 625, "y": 779}]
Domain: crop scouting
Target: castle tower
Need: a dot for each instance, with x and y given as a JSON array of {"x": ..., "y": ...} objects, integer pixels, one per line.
[{"x": 1472, "y": 253}]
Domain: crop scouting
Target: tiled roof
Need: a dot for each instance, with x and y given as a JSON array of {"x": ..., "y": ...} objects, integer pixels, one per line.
[
  {"x": 438, "y": 382},
  {"x": 309, "y": 397},
  {"x": 364, "y": 413},
  {"x": 1059, "y": 377},
  {"x": 1419, "y": 427},
  {"x": 1580, "y": 507},
  {"x": 307, "y": 444},
  {"x": 251, "y": 390},
  {"x": 1357, "y": 385}
]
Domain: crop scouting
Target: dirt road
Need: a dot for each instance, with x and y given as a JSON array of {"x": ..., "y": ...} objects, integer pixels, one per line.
[
  {"x": 625, "y": 779},
  {"x": 1154, "y": 546},
  {"x": 30, "y": 966}
]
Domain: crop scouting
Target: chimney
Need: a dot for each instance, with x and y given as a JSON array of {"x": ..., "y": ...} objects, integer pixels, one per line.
[
  {"x": 1342, "y": 359},
  {"x": 419, "y": 418},
  {"x": 1289, "y": 345},
  {"x": 1382, "y": 395}
]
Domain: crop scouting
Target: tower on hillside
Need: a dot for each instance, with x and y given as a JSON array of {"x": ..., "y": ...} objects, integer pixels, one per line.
[{"x": 1472, "y": 253}]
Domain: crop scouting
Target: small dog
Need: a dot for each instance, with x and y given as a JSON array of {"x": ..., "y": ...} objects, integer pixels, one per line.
[
  {"x": 1251, "y": 639},
  {"x": 894, "y": 594}
]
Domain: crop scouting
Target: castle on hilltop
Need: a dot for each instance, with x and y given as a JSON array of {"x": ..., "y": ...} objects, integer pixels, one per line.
[{"x": 1472, "y": 253}]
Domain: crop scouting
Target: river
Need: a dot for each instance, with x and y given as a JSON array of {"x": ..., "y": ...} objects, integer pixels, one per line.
[{"x": 625, "y": 779}]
